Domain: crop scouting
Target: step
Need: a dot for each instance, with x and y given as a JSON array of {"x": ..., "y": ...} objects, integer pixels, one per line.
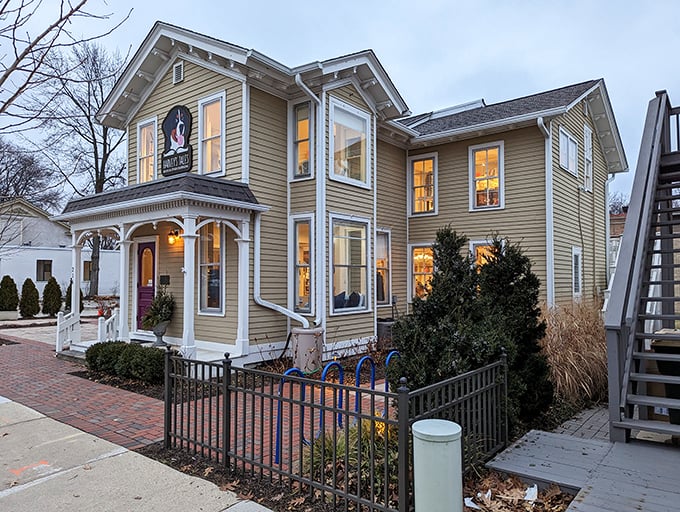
[
  {"x": 655, "y": 356},
  {"x": 661, "y": 299},
  {"x": 654, "y": 377},
  {"x": 661, "y": 427},
  {"x": 658, "y": 336},
  {"x": 655, "y": 401},
  {"x": 651, "y": 316}
]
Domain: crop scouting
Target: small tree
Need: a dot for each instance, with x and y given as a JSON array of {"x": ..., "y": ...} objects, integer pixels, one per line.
[
  {"x": 9, "y": 297},
  {"x": 51, "y": 297},
  {"x": 29, "y": 305},
  {"x": 67, "y": 299}
]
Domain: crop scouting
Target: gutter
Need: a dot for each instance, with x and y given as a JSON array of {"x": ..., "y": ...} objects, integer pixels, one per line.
[{"x": 257, "y": 296}]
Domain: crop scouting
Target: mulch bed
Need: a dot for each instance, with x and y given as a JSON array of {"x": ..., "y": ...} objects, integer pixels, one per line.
[
  {"x": 151, "y": 390},
  {"x": 7, "y": 342}
]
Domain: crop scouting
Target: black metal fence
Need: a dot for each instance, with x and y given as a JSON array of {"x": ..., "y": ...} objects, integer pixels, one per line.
[{"x": 348, "y": 446}]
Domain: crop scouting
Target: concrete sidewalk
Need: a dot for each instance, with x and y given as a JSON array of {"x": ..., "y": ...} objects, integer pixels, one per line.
[{"x": 47, "y": 465}]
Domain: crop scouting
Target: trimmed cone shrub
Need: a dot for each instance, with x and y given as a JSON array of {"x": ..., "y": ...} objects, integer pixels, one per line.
[
  {"x": 67, "y": 299},
  {"x": 51, "y": 298},
  {"x": 9, "y": 296},
  {"x": 29, "y": 305}
]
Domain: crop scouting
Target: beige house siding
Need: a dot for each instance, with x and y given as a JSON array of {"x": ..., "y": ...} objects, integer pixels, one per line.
[
  {"x": 522, "y": 220},
  {"x": 579, "y": 215},
  {"x": 391, "y": 215},
  {"x": 198, "y": 83}
]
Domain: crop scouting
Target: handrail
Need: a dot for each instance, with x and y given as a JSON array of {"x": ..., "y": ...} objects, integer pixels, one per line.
[
  {"x": 107, "y": 328},
  {"x": 67, "y": 326}
]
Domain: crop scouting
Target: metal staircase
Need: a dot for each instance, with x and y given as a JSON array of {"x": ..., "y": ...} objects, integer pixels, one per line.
[{"x": 643, "y": 314}]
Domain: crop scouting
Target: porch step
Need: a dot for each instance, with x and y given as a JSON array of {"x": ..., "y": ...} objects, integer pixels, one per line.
[
  {"x": 653, "y": 377},
  {"x": 658, "y": 336},
  {"x": 655, "y": 356},
  {"x": 654, "y": 401},
  {"x": 661, "y": 427}
]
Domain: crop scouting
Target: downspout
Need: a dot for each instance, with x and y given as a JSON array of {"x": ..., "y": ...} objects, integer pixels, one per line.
[
  {"x": 320, "y": 217},
  {"x": 549, "y": 213},
  {"x": 257, "y": 296}
]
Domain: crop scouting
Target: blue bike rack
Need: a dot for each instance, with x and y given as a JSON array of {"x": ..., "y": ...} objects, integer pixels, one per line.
[
  {"x": 341, "y": 380},
  {"x": 393, "y": 353},
  {"x": 358, "y": 378},
  {"x": 279, "y": 411}
]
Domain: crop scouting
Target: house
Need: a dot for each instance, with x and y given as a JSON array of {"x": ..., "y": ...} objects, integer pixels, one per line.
[
  {"x": 267, "y": 198},
  {"x": 34, "y": 246}
]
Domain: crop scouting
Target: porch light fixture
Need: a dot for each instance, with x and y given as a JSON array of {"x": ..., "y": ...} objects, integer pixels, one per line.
[{"x": 173, "y": 235}]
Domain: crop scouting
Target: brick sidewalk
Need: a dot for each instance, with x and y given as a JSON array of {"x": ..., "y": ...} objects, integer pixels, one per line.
[{"x": 33, "y": 376}]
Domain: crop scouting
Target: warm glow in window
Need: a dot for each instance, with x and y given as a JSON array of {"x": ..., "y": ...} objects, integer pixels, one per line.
[
  {"x": 349, "y": 145},
  {"x": 146, "y": 270},
  {"x": 422, "y": 270},
  {"x": 302, "y": 140},
  {"x": 350, "y": 268},
  {"x": 210, "y": 267},
  {"x": 302, "y": 266},
  {"x": 211, "y": 136},
  {"x": 423, "y": 185},
  {"x": 486, "y": 177},
  {"x": 147, "y": 149},
  {"x": 382, "y": 268},
  {"x": 481, "y": 254}
]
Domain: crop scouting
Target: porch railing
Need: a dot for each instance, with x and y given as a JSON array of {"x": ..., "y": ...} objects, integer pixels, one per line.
[
  {"x": 349, "y": 446},
  {"x": 68, "y": 330},
  {"x": 107, "y": 328}
]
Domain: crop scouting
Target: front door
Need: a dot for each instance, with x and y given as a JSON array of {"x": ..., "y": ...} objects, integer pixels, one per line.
[{"x": 146, "y": 278}]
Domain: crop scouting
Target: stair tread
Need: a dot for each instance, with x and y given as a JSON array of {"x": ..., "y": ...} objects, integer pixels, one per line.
[
  {"x": 655, "y": 356},
  {"x": 658, "y": 336},
  {"x": 662, "y": 427},
  {"x": 655, "y": 377},
  {"x": 656, "y": 401}
]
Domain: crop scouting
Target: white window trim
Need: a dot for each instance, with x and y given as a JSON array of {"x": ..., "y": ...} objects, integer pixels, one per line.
[
  {"x": 435, "y": 173},
  {"x": 140, "y": 125},
  {"x": 570, "y": 139},
  {"x": 292, "y": 251},
  {"x": 501, "y": 176},
  {"x": 369, "y": 260},
  {"x": 291, "y": 140},
  {"x": 576, "y": 251},
  {"x": 410, "y": 291},
  {"x": 389, "y": 267},
  {"x": 221, "y": 96},
  {"x": 223, "y": 264},
  {"x": 587, "y": 158},
  {"x": 336, "y": 103}
]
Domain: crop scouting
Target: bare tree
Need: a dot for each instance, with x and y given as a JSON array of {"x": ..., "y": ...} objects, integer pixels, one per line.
[
  {"x": 618, "y": 201},
  {"x": 24, "y": 56},
  {"x": 88, "y": 155}
]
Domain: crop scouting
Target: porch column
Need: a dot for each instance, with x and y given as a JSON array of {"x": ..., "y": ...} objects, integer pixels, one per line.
[
  {"x": 124, "y": 299},
  {"x": 188, "y": 348},
  {"x": 75, "y": 287},
  {"x": 243, "y": 285}
]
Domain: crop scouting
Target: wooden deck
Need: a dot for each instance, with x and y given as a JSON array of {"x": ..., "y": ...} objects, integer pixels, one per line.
[{"x": 609, "y": 477}]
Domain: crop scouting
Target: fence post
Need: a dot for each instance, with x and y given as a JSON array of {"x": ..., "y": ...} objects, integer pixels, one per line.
[
  {"x": 167, "y": 399},
  {"x": 403, "y": 414},
  {"x": 226, "y": 411},
  {"x": 504, "y": 410}
]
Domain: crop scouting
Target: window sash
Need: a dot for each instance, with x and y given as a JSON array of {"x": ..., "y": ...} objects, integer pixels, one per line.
[
  {"x": 303, "y": 140},
  {"x": 486, "y": 177},
  {"x": 211, "y": 269},
  {"x": 303, "y": 278},
  {"x": 383, "y": 293},
  {"x": 147, "y": 151},
  {"x": 568, "y": 152},
  {"x": 423, "y": 183},
  {"x": 350, "y": 265},
  {"x": 422, "y": 270},
  {"x": 212, "y": 135},
  {"x": 349, "y": 143},
  {"x": 43, "y": 270}
]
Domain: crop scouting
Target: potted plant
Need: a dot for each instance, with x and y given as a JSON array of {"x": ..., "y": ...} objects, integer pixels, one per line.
[
  {"x": 159, "y": 313},
  {"x": 9, "y": 299}
]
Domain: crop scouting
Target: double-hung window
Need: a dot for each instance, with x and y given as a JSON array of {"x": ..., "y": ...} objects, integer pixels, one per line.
[
  {"x": 568, "y": 152},
  {"x": 43, "y": 270},
  {"x": 303, "y": 265},
  {"x": 486, "y": 176},
  {"x": 302, "y": 143},
  {"x": 382, "y": 268},
  {"x": 146, "y": 150},
  {"x": 211, "y": 269},
  {"x": 422, "y": 268},
  {"x": 576, "y": 272},
  {"x": 423, "y": 184},
  {"x": 480, "y": 252},
  {"x": 587, "y": 159},
  {"x": 349, "y": 264},
  {"x": 350, "y": 142},
  {"x": 211, "y": 134}
]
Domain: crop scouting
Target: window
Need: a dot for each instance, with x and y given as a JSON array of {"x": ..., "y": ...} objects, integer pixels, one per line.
[
  {"x": 349, "y": 143},
  {"x": 423, "y": 180},
  {"x": 87, "y": 270},
  {"x": 211, "y": 280},
  {"x": 211, "y": 135},
  {"x": 303, "y": 269},
  {"x": 486, "y": 176},
  {"x": 383, "y": 294},
  {"x": 43, "y": 270},
  {"x": 588, "y": 159},
  {"x": 349, "y": 255},
  {"x": 146, "y": 151},
  {"x": 576, "y": 272},
  {"x": 422, "y": 268},
  {"x": 480, "y": 251},
  {"x": 303, "y": 140},
  {"x": 568, "y": 151}
]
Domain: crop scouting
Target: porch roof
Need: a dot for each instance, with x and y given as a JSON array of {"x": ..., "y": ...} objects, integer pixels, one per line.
[{"x": 183, "y": 186}]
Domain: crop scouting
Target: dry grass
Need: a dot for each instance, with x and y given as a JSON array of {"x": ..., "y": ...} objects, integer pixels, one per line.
[{"x": 576, "y": 349}]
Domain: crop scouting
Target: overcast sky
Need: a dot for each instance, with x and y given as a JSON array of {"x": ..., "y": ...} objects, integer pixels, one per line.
[{"x": 445, "y": 52}]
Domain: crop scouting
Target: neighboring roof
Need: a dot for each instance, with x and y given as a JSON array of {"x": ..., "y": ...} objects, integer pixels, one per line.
[
  {"x": 520, "y": 112},
  {"x": 186, "y": 185},
  {"x": 165, "y": 43},
  {"x": 21, "y": 207}
]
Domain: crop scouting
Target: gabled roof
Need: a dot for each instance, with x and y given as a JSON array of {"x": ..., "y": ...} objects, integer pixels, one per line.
[
  {"x": 20, "y": 207},
  {"x": 166, "y": 42},
  {"x": 524, "y": 111}
]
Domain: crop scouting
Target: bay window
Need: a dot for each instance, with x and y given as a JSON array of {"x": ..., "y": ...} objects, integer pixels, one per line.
[
  {"x": 303, "y": 268},
  {"x": 349, "y": 141},
  {"x": 349, "y": 264}
]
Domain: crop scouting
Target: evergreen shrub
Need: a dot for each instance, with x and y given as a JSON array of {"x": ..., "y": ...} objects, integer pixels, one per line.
[
  {"x": 29, "y": 304},
  {"x": 51, "y": 297},
  {"x": 9, "y": 296}
]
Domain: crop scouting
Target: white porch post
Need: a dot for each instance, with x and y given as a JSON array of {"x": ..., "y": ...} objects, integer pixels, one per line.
[
  {"x": 243, "y": 284},
  {"x": 188, "y": 348},
  {"x": 123, "y": 325},
  {"x": 75, "y": 287}
]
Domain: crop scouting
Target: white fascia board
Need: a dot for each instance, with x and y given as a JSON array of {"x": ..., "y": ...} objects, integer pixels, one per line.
[
  {"x": 490, "y": 125},
  {"x": 401, "y": 128}
]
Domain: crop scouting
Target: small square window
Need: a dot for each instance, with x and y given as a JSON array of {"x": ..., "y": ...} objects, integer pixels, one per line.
[{"x": 43, "y": 270}]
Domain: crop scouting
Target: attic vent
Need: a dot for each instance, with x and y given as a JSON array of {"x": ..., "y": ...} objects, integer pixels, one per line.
[
  {"x": 178, "y": 72},
  {"x": 585, "y": 108}
]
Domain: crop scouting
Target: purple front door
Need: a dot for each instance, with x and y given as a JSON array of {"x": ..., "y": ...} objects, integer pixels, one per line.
[{"x": 146, "y": 278}]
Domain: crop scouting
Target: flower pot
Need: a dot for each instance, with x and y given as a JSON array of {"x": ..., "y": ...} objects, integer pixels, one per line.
[{"x": 159, "y": 330}]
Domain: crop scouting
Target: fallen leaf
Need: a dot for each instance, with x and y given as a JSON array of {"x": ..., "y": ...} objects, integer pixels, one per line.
[
  {"x": 207, "y": 471},
  {"x": 87, "y": 467},
  {"x": 278, "y": 497}
]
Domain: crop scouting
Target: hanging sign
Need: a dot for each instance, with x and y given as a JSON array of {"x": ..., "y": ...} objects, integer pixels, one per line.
[{"x": 178, "y": 155}]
